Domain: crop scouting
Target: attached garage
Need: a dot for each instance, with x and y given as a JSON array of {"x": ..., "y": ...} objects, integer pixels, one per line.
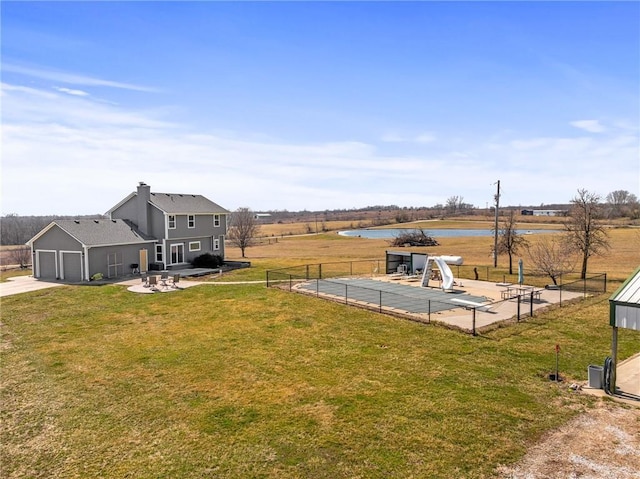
[{"x": 76, "y": 250}]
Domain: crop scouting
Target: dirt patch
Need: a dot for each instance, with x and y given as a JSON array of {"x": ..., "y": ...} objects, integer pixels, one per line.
[{"x": 601, "y": 444}]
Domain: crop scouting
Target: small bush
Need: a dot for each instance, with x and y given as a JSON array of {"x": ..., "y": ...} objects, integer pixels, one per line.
[{"x": 207, "y": 260}]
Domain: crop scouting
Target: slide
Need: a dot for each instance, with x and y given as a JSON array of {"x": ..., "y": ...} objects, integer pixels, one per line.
[{"x": 445, "y": 272}]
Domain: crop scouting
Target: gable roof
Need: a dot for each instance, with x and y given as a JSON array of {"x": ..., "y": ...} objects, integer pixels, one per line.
[
  {"x": 98, "y": 232},
  {"x": 178, "y": 203},
  {"x": 173, "y": 203}
]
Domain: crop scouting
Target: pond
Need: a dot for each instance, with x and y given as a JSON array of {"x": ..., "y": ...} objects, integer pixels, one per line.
[{"x": 436, "y": 233}]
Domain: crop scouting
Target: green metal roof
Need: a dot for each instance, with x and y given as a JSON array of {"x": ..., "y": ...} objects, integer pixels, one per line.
[
  {"x": 624, "y": 310},
  {"x": 629, "y": 292}
]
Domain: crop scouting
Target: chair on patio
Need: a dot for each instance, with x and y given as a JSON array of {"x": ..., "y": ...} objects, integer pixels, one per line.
[
  {"x": 145, "y": 279},
  {"x": 164, "y": 277},
  {"x": 153, "y": 283},
  {"x": 176, "y": 280}
]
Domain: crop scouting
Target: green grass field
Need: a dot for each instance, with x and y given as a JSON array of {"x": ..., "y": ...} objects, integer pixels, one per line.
[
  {"x": 238, "y": 381},
  {"x": 241, "y": 381}
]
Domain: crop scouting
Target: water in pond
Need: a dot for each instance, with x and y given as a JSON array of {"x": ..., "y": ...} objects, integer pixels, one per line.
[{"x": 436, "y": 233}]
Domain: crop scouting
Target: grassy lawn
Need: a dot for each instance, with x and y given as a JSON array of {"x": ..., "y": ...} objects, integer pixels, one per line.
[{"x": 240, "y": 381}]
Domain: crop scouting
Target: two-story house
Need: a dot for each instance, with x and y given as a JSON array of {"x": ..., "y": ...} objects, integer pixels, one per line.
[{"x": 144, "y": 231}]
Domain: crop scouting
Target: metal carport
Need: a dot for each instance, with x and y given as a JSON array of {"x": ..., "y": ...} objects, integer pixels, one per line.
[{"x": 624, "y": 312}]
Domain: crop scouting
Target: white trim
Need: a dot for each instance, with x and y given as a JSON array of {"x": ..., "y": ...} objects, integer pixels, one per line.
[
  {"x": 216, "y": 216},
  {"x": 122, "y": 202},
  {"x": 63, "y": 252},
  {"x": 175, "y": 222},
  {"x": 216, "y": 244},
  {"x": 86, "y": 263},
  {"x": 198, "y": 248},
  {"x": 155, "y": 257},
  {"x": 189, "y": 221},
  {"x": 181, "y": 246},
  {"x": 55, "y": 260},
  {"x": 42, "y": 232}
]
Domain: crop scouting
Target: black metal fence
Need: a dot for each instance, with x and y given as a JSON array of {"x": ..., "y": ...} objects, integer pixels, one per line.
[
  {"x": 596, "y": 283},
  {"x": 305, "y": 272},
  {"x": 316, "y": 278}
]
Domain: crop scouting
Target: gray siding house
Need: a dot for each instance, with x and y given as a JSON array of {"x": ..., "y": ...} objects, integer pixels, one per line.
[{"x": 144, "y": 231}]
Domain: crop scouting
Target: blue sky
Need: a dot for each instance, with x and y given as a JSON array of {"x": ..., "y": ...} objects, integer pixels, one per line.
[{"x": 301, "y": 105}]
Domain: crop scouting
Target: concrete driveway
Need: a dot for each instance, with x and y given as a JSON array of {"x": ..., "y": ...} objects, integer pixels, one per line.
[{"x": 24, "y": 284}]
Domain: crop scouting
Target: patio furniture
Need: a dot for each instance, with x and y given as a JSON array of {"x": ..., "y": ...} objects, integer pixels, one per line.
[
  {"x": 145, "y": 279},
  {"x": 176, "y": 280},
  {"x": 153, "y": 283}
]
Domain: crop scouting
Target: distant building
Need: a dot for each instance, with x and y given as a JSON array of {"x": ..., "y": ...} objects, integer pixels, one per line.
[{"x": 550, "y": 212}]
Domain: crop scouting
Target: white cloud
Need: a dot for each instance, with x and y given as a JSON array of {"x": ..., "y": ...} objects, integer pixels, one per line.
[
  {"x": 70, "y": 91},
  {"x": 73, "y": 79},
  {"x": 70, "y": 154},
  {"x": 592, "y": 126}
]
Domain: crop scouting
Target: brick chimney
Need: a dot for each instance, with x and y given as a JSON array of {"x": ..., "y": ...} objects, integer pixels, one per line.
[{"x": 142, "y": 206}]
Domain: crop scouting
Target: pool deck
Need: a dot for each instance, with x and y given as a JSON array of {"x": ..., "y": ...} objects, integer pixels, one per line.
[{"x": 492, "y": 310}]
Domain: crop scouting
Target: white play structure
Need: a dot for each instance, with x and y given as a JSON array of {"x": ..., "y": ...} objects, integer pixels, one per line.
[{"x": 446, "y": 275}]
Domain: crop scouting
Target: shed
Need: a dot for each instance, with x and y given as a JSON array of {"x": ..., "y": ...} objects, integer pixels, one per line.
[
  {"x": 413, "y": 261},
  {"x": 624, "y": 312}
]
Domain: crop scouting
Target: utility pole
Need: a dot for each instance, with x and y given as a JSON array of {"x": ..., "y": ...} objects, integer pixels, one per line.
[{"x": 495, "y": 235}]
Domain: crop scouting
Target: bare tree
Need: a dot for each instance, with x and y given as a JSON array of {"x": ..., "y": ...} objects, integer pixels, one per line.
[
  {"x": 583, "y": 230},
  {"x": 509, "y": 240},
  {"x": 453, "y": 203},
  {"x": 243, "y": 229},
  {"x": 20, "y": 255},
  {"x": 552, "y": 256},
  {"x": 621, "y": 203}
]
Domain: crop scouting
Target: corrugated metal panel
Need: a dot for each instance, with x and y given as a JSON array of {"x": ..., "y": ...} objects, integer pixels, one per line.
[
  {"x": 628, "y": 317},
  {"x": 630, "y": 292}
]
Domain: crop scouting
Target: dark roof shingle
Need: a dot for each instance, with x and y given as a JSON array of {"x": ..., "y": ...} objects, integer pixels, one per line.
[
  {"x": 185, "y": 204},
  {"x": 103, "y": 232}
]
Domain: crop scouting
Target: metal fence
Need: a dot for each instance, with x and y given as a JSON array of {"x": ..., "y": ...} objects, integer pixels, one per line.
[
  {"x": 320, "y": 279},
  {"x": 596, "y": 283},
  {"x": 292, "y": 274}
]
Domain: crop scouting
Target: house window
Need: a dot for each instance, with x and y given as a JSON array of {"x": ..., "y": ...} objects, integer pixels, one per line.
[
  {"x": 216, "y": 220},
  {"x": 194, "y": 246},
  {"x": 216, "y": 244},
  {"x": 191, "y": 221},
  {"x": 177, "y": 253},
  {"x": 172, "y": 222},
  {"x": 158, "y": 253}
]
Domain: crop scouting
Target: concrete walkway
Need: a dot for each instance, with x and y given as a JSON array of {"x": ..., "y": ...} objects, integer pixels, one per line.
[
  {"x": 24, "y": 284},
  {"x": 628, "y": 375}
]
